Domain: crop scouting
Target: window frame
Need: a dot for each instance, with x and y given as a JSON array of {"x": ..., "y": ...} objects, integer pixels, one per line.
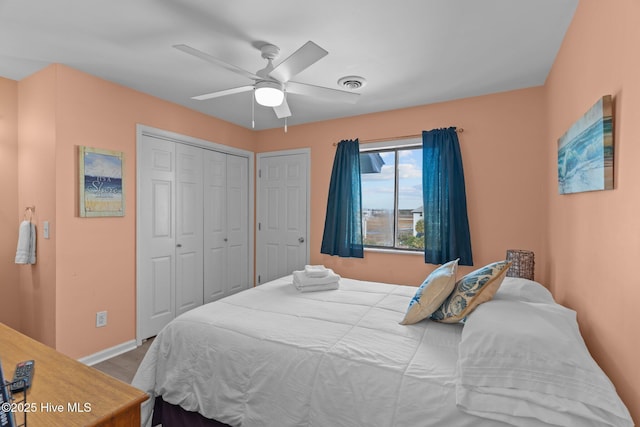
[{"x": 393, "y": 145}]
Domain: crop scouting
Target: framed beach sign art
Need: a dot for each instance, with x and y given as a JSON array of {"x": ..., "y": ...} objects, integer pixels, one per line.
[
  {"x": 585, "y": 151},
  {"x": 101, "y": 182}
]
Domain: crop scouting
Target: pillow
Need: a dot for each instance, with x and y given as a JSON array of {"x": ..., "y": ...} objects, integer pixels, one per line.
[
  {"x": 431, "y": 293},
  {"x": 519, "y": 289},
  {"x": 525, "y": 363},
  {"x": 472, "y": 290}
]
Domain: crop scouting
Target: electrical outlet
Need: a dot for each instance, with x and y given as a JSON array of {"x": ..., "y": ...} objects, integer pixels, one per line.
[{"x": 101, "y": 319}]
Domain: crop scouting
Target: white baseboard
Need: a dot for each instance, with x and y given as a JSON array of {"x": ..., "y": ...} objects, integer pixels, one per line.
[{"x": 108, "y": 353}]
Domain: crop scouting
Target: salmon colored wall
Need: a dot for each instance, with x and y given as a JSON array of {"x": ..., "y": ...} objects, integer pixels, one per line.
[
  {"x": 594, "y": 238},
  {"x": 502, "y": 148},
  {"x": 584, "y": 243},
  {"x": 9, "y": 216},
  {"x": 37, "y": 187},
  {"x": 94, "y": 257}
]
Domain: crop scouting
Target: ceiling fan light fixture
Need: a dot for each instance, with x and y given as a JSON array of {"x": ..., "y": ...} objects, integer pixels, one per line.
[{"x": 269, "y": 94}]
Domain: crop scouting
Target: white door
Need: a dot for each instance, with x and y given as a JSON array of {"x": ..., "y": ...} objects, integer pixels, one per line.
[
  {"x": 237, "y": 224},
  {"x": 156, "y": 245},
  {"x": 170, "y": 244},
  {"x": 282, "y": 210},
  {"x": 215, "y": 225},
  {"x": 226, "y": 225},
  {"x": 189, "y": 263}
]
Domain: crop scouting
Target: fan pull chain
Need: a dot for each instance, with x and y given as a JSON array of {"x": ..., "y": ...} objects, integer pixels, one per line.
[{"x": 285, "y": 119}]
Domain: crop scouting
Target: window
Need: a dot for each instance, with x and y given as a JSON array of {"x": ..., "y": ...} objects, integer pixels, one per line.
[{"x": 392, "y": 215}]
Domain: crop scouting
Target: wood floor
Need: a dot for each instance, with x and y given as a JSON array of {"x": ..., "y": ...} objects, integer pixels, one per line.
[{"x": 124, "y": 367}]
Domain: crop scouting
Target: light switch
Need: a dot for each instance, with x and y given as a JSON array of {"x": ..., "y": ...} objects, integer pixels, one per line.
[{"x": 45, "y": 229}]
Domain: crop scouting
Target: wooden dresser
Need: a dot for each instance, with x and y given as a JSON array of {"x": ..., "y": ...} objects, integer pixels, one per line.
[{"x": 66, "y": 392}]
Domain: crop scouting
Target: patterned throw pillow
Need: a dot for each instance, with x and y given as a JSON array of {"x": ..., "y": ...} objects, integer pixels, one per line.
[
  {"x": 433, "y": 291},
  {"x": 472, "y": 290}
]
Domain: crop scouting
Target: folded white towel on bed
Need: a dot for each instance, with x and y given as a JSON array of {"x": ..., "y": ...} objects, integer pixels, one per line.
[
  {"x": 26, "y": 251},
  {"x": 316, "y": 270},
  {"x": 303, "y": 282},
  {"x": 314, "y": 288}
]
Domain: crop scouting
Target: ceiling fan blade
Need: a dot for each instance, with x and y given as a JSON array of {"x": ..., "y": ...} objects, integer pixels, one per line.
[
  {"x": 302, "y": 58},
  {"x": 282, "y": 110},
  {"x": 223, "y": 93},
  {"x": 325, "y": 93},
  {"x": 212, "y": 59}
]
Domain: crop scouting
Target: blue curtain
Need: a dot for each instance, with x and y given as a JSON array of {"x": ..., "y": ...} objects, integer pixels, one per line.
[
  {"x": 446, "y": 225},
  {"x": 343, "y": 224}
]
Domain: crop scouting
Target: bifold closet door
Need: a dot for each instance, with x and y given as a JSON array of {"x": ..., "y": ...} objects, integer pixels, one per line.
[
  {"x": 189, "y": 239},
  {"x": 215, "y": 225},
  {"x": 156, "y": 245},
  {"x": 193, "y": 229},
  {"x": 237, "y": 224},
  {"x": 226, "y": 225},
  {"x": 170, "y": 243}
]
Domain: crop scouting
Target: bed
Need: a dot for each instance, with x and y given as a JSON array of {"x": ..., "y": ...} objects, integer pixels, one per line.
[{"x": 274, "y": 356}]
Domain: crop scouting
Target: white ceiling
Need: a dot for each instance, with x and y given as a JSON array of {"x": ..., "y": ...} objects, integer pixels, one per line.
[{"x": 411, "y": 52}]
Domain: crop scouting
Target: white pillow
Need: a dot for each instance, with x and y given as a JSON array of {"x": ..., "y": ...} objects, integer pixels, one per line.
[
  {"x": 519, "y": 289},
  {"x": 521, "y": 361},
  {"x": 431, "y": 293}
]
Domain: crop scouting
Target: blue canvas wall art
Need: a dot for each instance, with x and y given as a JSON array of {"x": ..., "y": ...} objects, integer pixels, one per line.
[{"x": 585, "y": 151}]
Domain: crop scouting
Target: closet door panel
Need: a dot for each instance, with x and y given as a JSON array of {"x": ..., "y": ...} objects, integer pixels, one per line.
[
  {"x": 237, "y": 224},
  {"x": 161, "y": 277},
  {"x": 189, "y": 213},
  {"x": 189, "y": 267},
  {"x": 162, "y": 265},
  {"x": 192, "y": 228},
  {"x": 215, "y": 225},
  {"x": 156, "y": 251}
]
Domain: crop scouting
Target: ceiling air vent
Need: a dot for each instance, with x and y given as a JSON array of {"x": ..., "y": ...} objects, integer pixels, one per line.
[{"x": 352, "y": 82}]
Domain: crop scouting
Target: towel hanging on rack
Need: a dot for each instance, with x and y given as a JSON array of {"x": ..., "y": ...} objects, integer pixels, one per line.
[{"x": 26, "y": 251}]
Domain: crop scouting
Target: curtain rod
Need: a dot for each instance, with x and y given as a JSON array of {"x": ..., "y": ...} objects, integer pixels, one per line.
[{"x": 391, "y": 138}]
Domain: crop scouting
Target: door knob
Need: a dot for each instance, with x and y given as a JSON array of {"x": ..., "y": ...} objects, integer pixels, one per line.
[
  {"x": 225, "y": 239},
  {"x": 301, "y": 239},
  {"x": 179, "y": 245}
]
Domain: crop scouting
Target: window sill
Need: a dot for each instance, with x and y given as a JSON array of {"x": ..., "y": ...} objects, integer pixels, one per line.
[{"x": 394, "y": 251}]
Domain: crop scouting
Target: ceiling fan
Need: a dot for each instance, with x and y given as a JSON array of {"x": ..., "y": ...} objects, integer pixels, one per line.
[{"x": 272, "y": 82}]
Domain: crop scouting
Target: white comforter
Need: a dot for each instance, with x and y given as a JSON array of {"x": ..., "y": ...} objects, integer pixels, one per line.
[{"x": 272, "y": 356}]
